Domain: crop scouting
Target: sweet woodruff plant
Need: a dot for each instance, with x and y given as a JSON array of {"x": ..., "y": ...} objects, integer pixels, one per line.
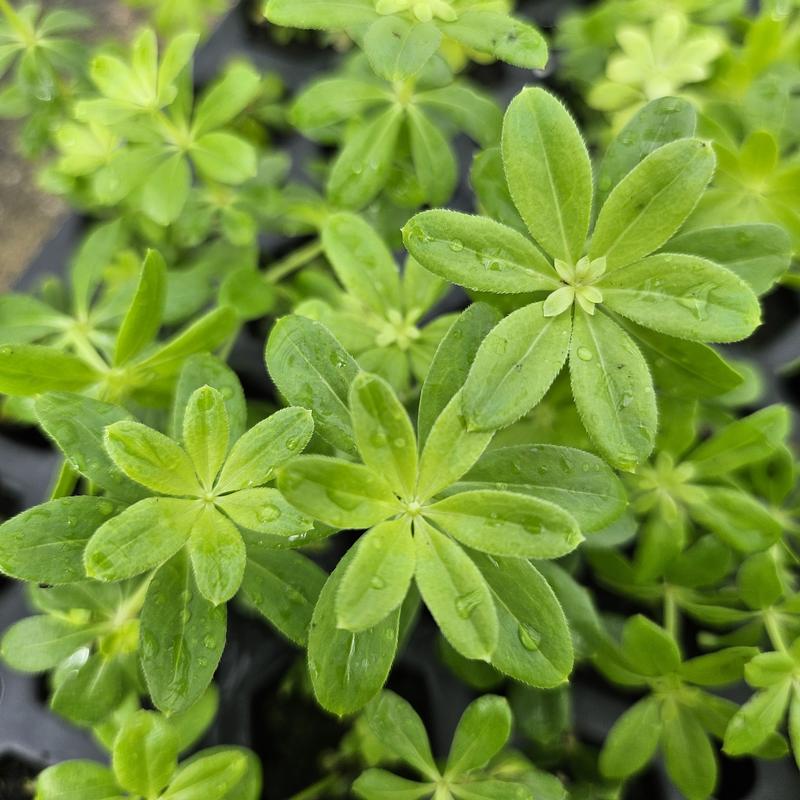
[{"x": 498, "y": 425}]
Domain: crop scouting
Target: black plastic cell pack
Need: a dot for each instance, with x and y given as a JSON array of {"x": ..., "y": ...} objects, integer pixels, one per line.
[{"x": 289, "y": 733}]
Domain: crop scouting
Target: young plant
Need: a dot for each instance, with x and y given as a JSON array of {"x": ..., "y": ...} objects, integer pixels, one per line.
[
  {"x": 466, "y": 547},
  {"x": 483, "y": 731},
  {"x": 589, "y": 284},
  {"x": 144, "y": 764}
]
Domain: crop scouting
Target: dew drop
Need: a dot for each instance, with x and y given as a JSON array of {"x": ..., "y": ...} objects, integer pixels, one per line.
[
  {"x": 377, "y": 582},
  {"x": 584, "y": 354},
  {"x": 529, "y": 637},
  {"x": 467, "y": 603},
  {"x": 456, "y": 245}
]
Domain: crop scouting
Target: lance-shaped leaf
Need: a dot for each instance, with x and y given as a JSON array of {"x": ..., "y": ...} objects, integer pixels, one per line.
[
  {"x": 452, "y": 362},
  {"x": 151, "y": 459},
  {"x": 143, "y": 318},
  {"x": 347, "y": 669},
  {"x": 688, "y": 754},
  {"x": 375, "y": 784},
  {"x": 24, "y": 319},
  {"x": 652, "y": 202},
  {"x": 265, "y": 447},
  {"x": 143, "y": 536},
  {"x": 478, "y": 253},
  {"x": 182, "y": 637},
  {"x": 455, "y": 592},
  {"x": 383, "y": 432},
  {"x": 377, "y": 580},
  {"x": 284, "y": 587},
  {"x": 218, "y": 556},
  {"x": 515, "y": 366},
  {"x": 483, "y": 730},
  {"x": 78, "y": 780},
  {"x": 549, "y": 172},
  {"x": 337, "y": 492},
  {"x": 29, "y": 369},
  {"x": 362, "y": 262},
  {"x": 45, "y": 544},
  {"x": 506, "y": 524},
  {"x": 39, "y": 643},
  {"x": 205, "y": 433},
  {"x": 451, "y": 449},
  {"x": 435, "y": 163},
  {"x": 613, "y": 390},
  {"x": 534, "y": 644},
  {"x": 633, "y": 741},
  {"x": 683, "y": 296},
  {"x": 311, "y": 369},
  {"x": 265, "y": 511},
  {"x": 320, "y": 14},
  {"x": 578, "y": 482},
  {"x": 145, "y": 754},
  {"x": 398, "y": 49}
]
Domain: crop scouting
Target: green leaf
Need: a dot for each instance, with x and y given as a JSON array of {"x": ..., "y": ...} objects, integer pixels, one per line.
[
  {"x": 218, "y": 556},
  {"x": 478, "y": 253},
  {"x": 77, "y": 424},
  {"x": 202, "y": 335},
  {"x": 377, "y": 784},
  {"x": 434, "y": 161},
  {"x": 499, "y": 35},
  {"x": 166, "y": 190},
  {"x": 549, "y": 172},
  {"x": 506, "y": 524},
  {"x": 151, "y": 459},
  {"x": 337, "y": 492},
  {"x": 226, "y": 98},
  {"x": 661, "y": 121},
  {"x": 767, "y": 669},
  {"x": 270, "y": 444},
  {"x": 483, "y": 730},
  {"x": 224, "y": 157},
  {"x": 321, "y": 14},
  {"x": 683, "y": 296},
  {"x": 794, "y": 724},
  {"x": 718, "y": 669},
  {"x": 742, "y": 442},
  {"x": 613, "y": 390},
  {"x": 455, "y": 593},
  {"x": 145, "y": 754},
  {"x": 650, "y": 649},
  {"x": 632, "y": 742},
  {"x": 25, "y": 319},
  {"x": 206, "y": 433},
  {"x": 488, "y": 179},
  {"x": 143, "y": 536},
  {"x": 93, "y": 256},
  {"x": 362, "y": 262},
  {"x": 491, "y": 790},
  {"x": 688, "y": 755},
  {"x": 379, "y": 576},
  {"x": 363, "y": 165},
  {"x": 759, "y": 254},
  {"x": 398, "y": 728},
  {"x": 579, "y": 482},
  {"x": 311, "y": 369},
  {"x": 45, "y": 544},
  {"x": 211, "y": 775},
  {"x": 737, "y": 519},
  {"x": 347, "y": 669},
  {"x": 143, "y": 317},
  {"x": 201, "y": 370},
  {"x": 470, "y": 110},
  {"x": 87, "y": 692},
  {"x": 515, "y": 366},
  {"x": 264, "y": 511},
  {"x": 761, "y": 581},
  {"x": 333, "y": 100},
  {"x": 29, "y": 369},
  {"x": 384, "y": 433},
  {"x": 683, "y": 368},
  {"x": 284, "y": 587},
  {"x": 398, "y": 49},
  {"x": 450, "y": 450},
  {"x": 452, "y": 362},
  {"x": 182, "y": 637},
  {"x": 534, "y": 644},
  {"x": 36, "y": 644},
  {"x": 652, "y": 202},
  {"x": 77, "y": 780}
]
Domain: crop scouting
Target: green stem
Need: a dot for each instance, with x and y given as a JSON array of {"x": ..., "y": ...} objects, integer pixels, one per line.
[
  {"x": 671, "y": 616},
  {"x": 299, "y": 258},
  {"x": 774, "y": 630},
  {"x": 317, "y": 790},
  {"x": 66, "y": 479}
]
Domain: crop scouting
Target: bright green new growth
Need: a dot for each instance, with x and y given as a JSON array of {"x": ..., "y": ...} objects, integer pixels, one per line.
[{"x": 613, "y": 272}]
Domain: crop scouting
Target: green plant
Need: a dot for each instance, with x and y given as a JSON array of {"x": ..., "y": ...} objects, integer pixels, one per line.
[{"x": 556, "y": 469}]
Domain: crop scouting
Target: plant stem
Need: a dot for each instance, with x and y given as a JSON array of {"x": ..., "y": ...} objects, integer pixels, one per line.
[
  {"x": 66, "y": 479},
  {"x": 671, "y": 617},
  {"x": 773, "y": 626},
  {"x": 299, "y": 258},
  {"x": 317, "y": 790}
]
